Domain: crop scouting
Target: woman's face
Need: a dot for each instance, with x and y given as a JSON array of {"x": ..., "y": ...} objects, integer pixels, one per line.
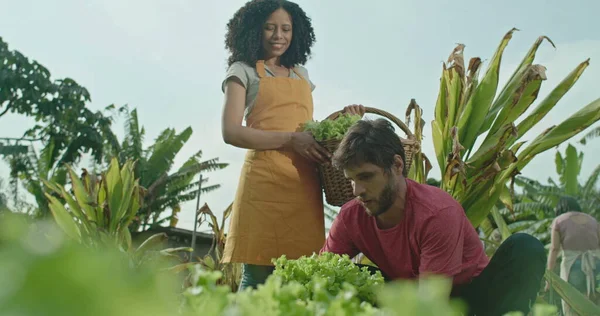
[{"x": 277, "y": 34}]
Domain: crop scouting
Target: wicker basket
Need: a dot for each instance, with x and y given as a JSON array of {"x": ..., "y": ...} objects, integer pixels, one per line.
[{"x": 338, "y": 189}]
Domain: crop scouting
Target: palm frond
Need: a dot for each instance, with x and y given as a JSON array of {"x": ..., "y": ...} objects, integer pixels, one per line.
[
  {"x": 191, "y": 168},
  {"x": 521, "y": 225},
  {"x": 22, "y": 168},
  {"x": 88, "y": 139},
  {"x": 184, "y": 176},
  {"x": 164, "y": 202},
  {"x": 533, "y": 208},
  {"x": 135, "y": 136},
  {"x": 590, "y": 135},
  {"x": 591, "y": 183},
  {"x": 176, "y": 188},
  {"x": 539, "y": 226},
  {"x": 529, "y": 185},
  {"x": 163, "y": 152},
  {"x": 48, "y": 156}
]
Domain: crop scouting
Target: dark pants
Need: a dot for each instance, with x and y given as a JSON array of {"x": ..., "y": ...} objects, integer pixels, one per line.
[
  {"x": 511, "y": 281},
  {"x": 253, "y": 275}
]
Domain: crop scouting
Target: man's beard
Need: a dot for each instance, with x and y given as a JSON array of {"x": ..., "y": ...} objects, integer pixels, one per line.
[{"x": 385, "y": 199}]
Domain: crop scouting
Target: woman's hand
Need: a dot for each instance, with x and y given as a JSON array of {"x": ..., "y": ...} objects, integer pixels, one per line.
[
  {"x": 306, "y": 145},
  {"x": 355, "y": 109}
]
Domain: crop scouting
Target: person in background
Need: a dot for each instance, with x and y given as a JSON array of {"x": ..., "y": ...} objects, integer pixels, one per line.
[
  {"x": 278, "y": 207},
  {"x": 576, "y": 236},
  {"x": 411, "y": 230}
]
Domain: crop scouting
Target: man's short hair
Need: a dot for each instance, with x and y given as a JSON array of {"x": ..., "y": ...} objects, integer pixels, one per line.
[{"x": 370, "y": 141}]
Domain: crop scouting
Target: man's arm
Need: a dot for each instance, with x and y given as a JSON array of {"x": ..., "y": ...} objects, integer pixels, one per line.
[
  {"x": 442, "y": 243},
  {"x": 339, "y": 240}
]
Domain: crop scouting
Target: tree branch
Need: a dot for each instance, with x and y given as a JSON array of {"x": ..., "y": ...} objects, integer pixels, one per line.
[
  {"x": 8, "y": 107},
  {"x": 22, "y": 139}
]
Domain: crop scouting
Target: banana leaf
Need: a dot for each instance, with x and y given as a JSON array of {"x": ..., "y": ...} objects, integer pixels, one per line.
[{"x": 576, "y": 300}]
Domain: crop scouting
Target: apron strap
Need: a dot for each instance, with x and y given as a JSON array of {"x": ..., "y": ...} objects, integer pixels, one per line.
[
  {"x": 298, "y": 73},
  {"x": 260, "y": 69},
  {"x": 588, "y": 266},
  {"x": 262, "y": 73}
]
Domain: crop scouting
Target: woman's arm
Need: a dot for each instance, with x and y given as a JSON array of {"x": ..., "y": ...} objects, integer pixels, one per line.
[
  {"x": 234, "y": 133},
  {"x": 554, "y": 247}
]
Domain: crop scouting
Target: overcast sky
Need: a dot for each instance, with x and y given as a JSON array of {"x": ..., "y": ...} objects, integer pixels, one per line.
[{"x": 167, "y": 59}]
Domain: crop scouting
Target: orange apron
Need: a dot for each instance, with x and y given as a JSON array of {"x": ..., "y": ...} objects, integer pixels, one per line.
[{"x": 278, "y": 207}]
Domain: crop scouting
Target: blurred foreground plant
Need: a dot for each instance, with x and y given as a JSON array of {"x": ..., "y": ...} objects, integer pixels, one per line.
[
  {"x": 312, "y": 287},
  {"x": 44, "y": 272},
  {"x": 99, "y": 210}
]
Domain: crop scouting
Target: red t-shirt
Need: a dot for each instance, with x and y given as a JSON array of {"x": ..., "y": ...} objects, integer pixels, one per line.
[{"x": 434, "y": 236}]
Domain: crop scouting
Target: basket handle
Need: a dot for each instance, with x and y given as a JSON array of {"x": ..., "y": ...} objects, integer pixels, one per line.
[{"x": 383, "y": 113}]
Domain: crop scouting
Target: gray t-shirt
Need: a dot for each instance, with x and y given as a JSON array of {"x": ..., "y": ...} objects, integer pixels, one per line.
[{"x": 249, "y": 78}]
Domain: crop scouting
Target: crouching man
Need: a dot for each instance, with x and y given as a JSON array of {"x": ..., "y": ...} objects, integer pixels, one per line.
[{"x": 409, "y": 229}]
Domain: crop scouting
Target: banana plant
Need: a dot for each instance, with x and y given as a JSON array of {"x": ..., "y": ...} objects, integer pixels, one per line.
[
  {"x": 590, "y": 135},
  {"x": 100, "y": 208},
  {"x": 421, "y": 164},
  {"x": 167, "y": 188},
  {"x": 576, "y": 300},
  {"x": 467, "y": 113},
  {"x": 544, "y": 197}
]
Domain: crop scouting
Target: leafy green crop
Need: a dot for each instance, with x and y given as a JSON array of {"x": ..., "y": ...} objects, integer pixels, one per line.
[
  {"x": 333, "y": 272},
  {"x": 275, "y": 297},
  {"x": 331, "y": 129}
]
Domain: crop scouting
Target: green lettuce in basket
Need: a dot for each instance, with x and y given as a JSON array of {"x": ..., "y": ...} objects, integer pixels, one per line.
[{"x": 331, "y": 129}]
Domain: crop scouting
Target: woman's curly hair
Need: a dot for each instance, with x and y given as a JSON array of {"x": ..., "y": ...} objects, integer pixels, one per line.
[{"x": 244, "y": 33}]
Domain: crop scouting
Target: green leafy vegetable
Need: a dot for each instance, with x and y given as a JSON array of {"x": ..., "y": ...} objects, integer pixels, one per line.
[
  {"x": 334, "y": 272},
  {"x": 331, "y": 129}
]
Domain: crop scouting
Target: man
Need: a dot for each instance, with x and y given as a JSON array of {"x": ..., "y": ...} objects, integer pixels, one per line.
[{"x": 409, "y": 229}]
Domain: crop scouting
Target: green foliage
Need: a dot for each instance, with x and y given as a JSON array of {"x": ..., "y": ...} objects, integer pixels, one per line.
[
  {"x": 101, "y": 207},
  {"x": 65, "y": 126},
  {"x": 469, "y": 107},
  {"x": 275, "y": 297},
  {"x": 336, "y": 273},
  {"x": 11, "y": 150},
  {"x": 100, "y": 210},
  {"x": 3, "y": 198},
  {"x": 594, "y": 133},
  {"x": 331, "y": 129},
  {"x": 45, "y": 273},
  {"x": 58, "y": 107},
  {"x": 301, "y": 293},
  {"x": 576, "y": 300},
  {"x": 166, "y": 188},
  {"x": 543, "y": 198}
]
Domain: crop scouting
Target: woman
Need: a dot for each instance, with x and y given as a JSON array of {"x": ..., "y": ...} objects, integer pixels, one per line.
[
  {"x": 278, "y": 208},
  {"x": 577, "y": 234}
]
